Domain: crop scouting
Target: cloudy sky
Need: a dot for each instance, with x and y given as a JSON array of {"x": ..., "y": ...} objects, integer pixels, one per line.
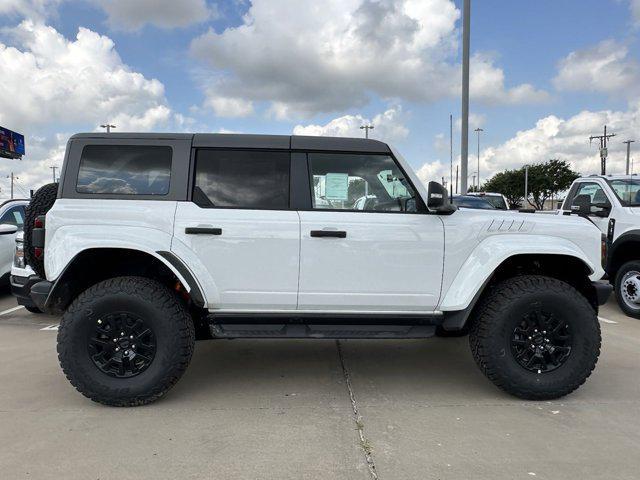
[{"x": 544, "y": 76}]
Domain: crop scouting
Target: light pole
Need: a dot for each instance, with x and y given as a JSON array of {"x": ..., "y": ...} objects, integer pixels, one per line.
[
  {"x": 478, "y": 130},
  {"x": 464, "y": 147},
  {"x": 526, "y": 184},
  {"x": 366, "y": 129},
  {"x": 108, "y": 126},
  {"x": 13, "y": 179},
  {"x": 54, "y": 172},
  {"x": 629, "y": 142}
]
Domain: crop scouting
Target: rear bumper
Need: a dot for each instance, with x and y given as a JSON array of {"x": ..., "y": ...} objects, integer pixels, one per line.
[
  {"x": 603, "y": 291},
  {"x": 21, "y": 289}
]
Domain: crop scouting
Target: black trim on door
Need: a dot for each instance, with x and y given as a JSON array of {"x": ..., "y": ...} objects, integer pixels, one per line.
[
  {"x": 328, "y": 233},
  {"x": 203, "y": 231},
  {"x": 300, "y": 186}
]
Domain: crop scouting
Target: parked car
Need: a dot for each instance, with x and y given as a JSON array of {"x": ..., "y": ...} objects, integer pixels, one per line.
[
  {"x": 22, "y": 276},
  {"x": 12, "y": 213},
  {"x": 154, "y": 240},
  {"x": 469, "y": 201},
  {"x": 612, "y": 203},
  {"x": 498, "y": 200}
]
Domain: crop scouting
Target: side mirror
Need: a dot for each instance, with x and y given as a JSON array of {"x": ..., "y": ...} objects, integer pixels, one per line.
[
  {"x": 7, "y": 229},
  {"x": 438, "y": 199},
  {"x": 581, "y": 205},
  {"x": 603, "y": 210},
  {"x": 437, "y": 196}
]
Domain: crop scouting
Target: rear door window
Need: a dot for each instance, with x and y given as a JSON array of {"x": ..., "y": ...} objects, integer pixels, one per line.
[
  {"x": 125, "y": 170},
  {"x": 242, "y": 179}
]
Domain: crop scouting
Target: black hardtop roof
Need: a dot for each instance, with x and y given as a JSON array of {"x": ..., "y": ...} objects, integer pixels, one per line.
[{"x": 236, "y": 140}]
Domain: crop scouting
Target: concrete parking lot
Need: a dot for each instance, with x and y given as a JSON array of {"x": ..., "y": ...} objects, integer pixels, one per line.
[{"x": 281, "y": 409}]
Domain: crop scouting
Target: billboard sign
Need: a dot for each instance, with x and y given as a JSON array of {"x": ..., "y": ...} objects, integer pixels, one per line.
[{"x": 11, "y": 144}]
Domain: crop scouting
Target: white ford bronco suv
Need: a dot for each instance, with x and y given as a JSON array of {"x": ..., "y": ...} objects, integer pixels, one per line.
[
  {"x": 612, "y": 203},
  {"x": 151, "y": 241}
]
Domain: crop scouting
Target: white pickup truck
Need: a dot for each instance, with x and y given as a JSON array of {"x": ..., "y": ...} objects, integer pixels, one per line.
[
  {"x": 153, "y": 240},
  {"x": 612, "y": 203}
]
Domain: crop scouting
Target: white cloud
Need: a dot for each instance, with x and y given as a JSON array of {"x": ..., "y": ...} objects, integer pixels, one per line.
[
  {"x": 306, "y": 57},
  {"x": 34, "y": 9},
  {"x": 134, "y": 14},
  {"x": 634, "y": 5},
  {"x": 388, "y": 126},
  {"x": 555, "y": 137},
  {"x": 601, "y": 68},
  {"x": 229, "y": 107},
  {"x": 60, "y": 81},
  {"x": 52, "y": 84}
]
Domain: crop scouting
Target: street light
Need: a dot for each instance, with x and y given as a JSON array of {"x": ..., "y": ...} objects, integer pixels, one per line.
[
  {"x": 108, "y": 126},
  {"x": 366, "y": 129},
  {"x": 478, "y": 130}
]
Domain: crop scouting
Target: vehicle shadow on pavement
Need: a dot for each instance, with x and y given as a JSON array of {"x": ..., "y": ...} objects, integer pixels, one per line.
[{"x": 431, "y": 369}]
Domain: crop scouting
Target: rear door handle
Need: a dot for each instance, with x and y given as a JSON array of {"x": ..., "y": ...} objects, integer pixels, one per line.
[
  {"x": 329, "y": 233},
  {"x": 203, "y": 231}
]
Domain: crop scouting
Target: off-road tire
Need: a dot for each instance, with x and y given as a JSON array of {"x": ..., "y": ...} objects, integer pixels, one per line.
[
  {"x": 33, "y": 309},
  {"x": 40, "y": 204},
  {"x": 162, "y": 311},
  {"x": 499, "y": 313},
  {"x": 632, "y": 265}
]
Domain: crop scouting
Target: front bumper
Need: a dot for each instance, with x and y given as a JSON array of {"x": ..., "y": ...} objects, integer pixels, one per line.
[{"x": 603, "y": 291}]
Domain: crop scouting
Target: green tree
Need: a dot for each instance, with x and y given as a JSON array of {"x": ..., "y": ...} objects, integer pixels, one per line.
[
  {"x": 509, "y": 183},
  {"x": 546, "y": 180}
]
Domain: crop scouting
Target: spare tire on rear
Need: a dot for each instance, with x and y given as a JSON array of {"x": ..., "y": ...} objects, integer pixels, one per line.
[{"x": 40, "y": 204}]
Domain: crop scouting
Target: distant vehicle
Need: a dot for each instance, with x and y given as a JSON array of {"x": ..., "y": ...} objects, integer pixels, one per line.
[
  {"x": 468, "y": 201},
  {"x": 498, "y": 200},
  {"x": 12, "y": 213},
  {"x": 612, "y": 203}
]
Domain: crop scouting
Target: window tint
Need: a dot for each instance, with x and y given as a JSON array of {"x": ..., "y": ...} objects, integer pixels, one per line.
[
  {"x": 242, "y": 179},
  {"x": 359, "y": 182},
  {"x": 14, "y": 216},
  {"x": 125, "y": 170},
  {"x": 628, "y": 191},
  {"x": 595, "y": 192}
]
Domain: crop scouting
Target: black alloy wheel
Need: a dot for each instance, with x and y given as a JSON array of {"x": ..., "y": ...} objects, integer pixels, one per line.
[
  {"x": 541, "y": 342},
  {"x": 122, "y": 345}
]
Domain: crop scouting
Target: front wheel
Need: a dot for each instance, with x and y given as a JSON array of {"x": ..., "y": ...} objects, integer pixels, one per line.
[
  {"x": 536, "y": 337},
  {"x": 125, "y": 341},
  {"x": 628, "y": 288}
]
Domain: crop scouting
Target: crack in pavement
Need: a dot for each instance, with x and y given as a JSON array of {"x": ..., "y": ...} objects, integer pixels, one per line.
[{"x": 364, "y": 441}]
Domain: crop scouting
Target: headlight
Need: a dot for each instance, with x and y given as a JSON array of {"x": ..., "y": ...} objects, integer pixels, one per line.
[{"x": 18, "y": 257}]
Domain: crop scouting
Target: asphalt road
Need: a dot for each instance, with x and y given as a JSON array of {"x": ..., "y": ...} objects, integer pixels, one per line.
[{"x": 281, "y": 409}]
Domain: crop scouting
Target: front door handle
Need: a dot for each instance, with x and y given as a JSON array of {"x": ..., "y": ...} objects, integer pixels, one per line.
[
  {"x": 329, "y": 233},
  {"x": 203, "y": 231}
]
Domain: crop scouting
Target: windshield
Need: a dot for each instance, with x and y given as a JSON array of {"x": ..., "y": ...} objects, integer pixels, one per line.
[
  {"x": 627, "y": 190},
  {"x": 472, "y": 202},
  {"x": 497, "y": 201}
]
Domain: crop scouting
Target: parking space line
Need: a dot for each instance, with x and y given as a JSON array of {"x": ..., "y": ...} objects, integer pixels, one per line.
[
  {"x": 606, "y": 320},
  {"x": 53, "y": 327},
  {"x": 11, "y": 310}
]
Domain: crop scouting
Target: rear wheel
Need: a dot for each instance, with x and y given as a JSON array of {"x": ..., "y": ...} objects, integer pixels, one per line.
[
  {"x": 628, "y": 288},
  {"x": 40, "y": 204},
  {"x": 536, "y": 337},
  {"x": 125, "y": 341}
]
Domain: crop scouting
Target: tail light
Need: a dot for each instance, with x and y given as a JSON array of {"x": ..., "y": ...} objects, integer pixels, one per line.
[
  {"x": 37, "y": 251},
  {"x": 604, "y": 247},
  {"x": 38, "y": 223}
]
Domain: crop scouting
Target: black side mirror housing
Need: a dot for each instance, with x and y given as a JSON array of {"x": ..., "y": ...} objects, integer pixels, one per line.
[
  {"x": 581, "y": 205},
  {"x": 438, "y": 199}
]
